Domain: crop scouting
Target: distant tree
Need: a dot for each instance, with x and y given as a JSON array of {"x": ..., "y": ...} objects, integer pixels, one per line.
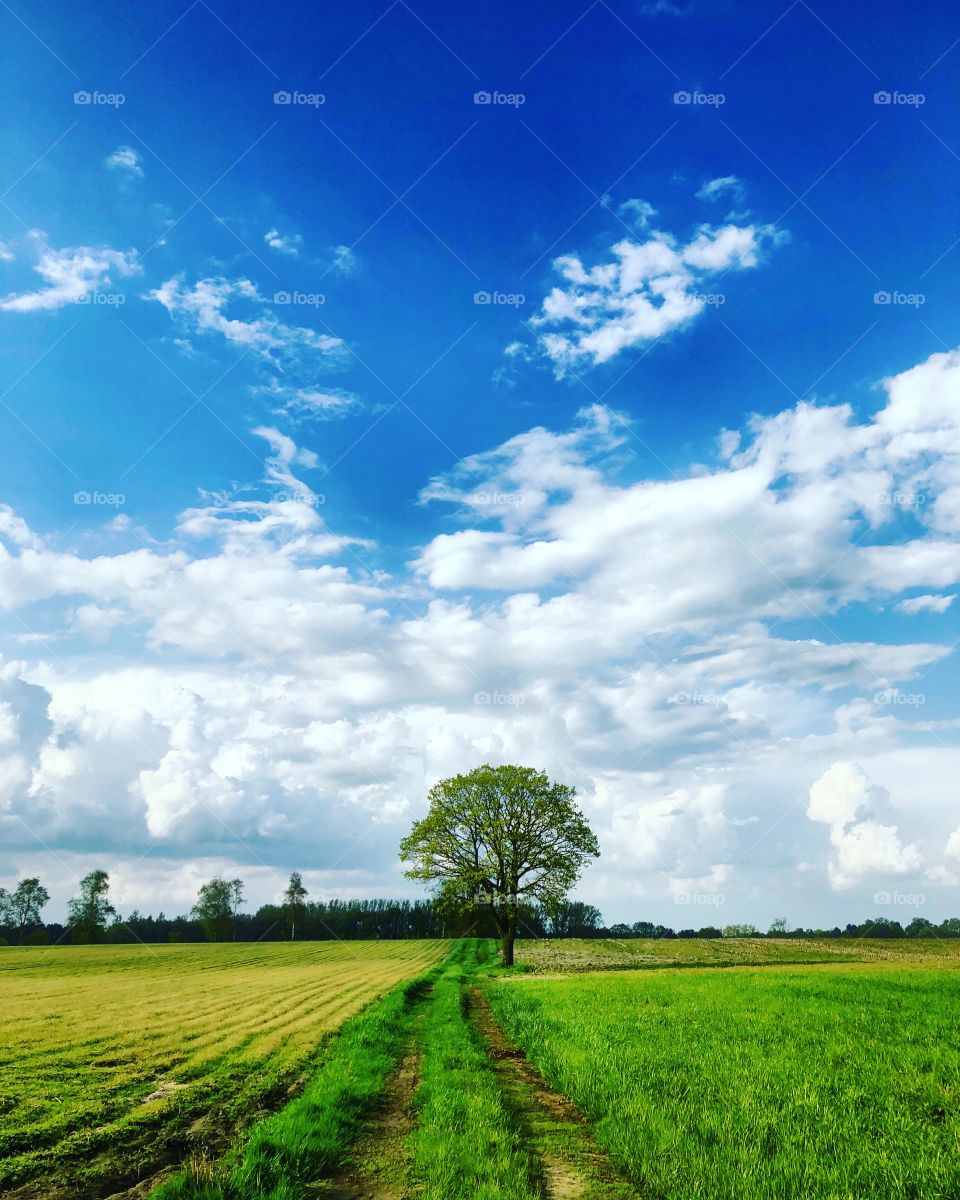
[
  {"x": 89, "y": 911},
  {"x": 621, "y": 930},
  {"x": 295, "y": 902},
  {"x": 740, "y": 931},
  {"x": 778, "y": 927},
  {"x": 921, "y": 927},
  {"x": 215, "y": 909},
  {"x": 574, "y": 919},
  {"x": 496, "y": 836}
]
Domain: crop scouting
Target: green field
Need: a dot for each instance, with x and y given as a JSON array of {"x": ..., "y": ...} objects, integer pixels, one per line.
[
  {"x": 119, "y": 1059},
  {"x": 817, "y": 1082},
  {"x": 423, "y": 1070}
]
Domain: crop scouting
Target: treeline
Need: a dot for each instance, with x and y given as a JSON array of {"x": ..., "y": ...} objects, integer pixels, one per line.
[{"x": 216, "y": 916}]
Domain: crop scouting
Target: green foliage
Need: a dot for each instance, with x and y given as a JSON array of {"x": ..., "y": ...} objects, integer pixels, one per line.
[
  {"x": 500, "y": 835},
  {"x": 89, "y": 911},
  {"x": 216, "y": 906},
  {"x": 746, "y": 1085},
  {"x": 295, "y": 902}
]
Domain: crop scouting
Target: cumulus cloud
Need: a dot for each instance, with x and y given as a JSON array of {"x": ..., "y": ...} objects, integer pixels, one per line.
[
  {"x": 127, "y": 161},
  {"x": 669, "y": 645},
  {"x": 288, "y": 243},
  {"x": 70, "y": 275},
  {"x": 637, "y": 213},
  {"x": 645, "y": 290},
  {"x": 345, "y": 261},
  {"x": 844, "y": 799}
]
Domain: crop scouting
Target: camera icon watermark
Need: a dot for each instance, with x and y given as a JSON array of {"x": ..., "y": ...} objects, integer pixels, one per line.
[
  {"x": 504, "y": 699},
  {"x": 706, "y": 899},
  {"x": 505, "y": 99},
  {"x": 697, "y": 99},
  {"x": 909, "y": 899},
  {"x": 300, "y": 99},
  {"x": 501, "y": 899},
  {"x": 100, "y": 99},
  {"x": 711, "y": 699},
  {"x": 497, "y": 499},
  {"x": 900, "y": 299},
  {"x": 102, "y": 299},
  {"x": 900, "y": 99},
  {"x": 104, "y": 499},
  {"x": 306, "y": 299},
  {"x": 898, "y": 699},
  {"x": 506, "y": 299}
]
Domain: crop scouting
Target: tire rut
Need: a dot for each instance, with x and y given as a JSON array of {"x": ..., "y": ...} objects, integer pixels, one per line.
[{"x": 572, "y": 1165}]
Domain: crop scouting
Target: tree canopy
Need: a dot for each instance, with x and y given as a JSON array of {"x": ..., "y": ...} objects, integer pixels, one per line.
[
  {"x": 497, "y": 837},
  {"x": 88, "y": 912}
]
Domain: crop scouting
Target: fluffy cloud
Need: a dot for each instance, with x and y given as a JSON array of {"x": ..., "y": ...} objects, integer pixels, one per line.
[
  {"x": 201, "y": 308},
  {"x": 673, "y": 647},
  {"x": 647, "y": 289},
  {"x": 919, "y": 604},
  {"x": 289, "y": 243},
  {"x": 844, "y": 799},
  {"x": 127, "y": 161},
  {"x": 70, "y": 275}
]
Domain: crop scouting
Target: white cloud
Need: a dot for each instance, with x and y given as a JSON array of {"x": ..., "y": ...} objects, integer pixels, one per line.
[
  {"x": 646, "y": 289},
  {"x": 919, "y": 604},
  {"x": 844, "y": 799},
  {"x": 126, "y": 160},
  {"x": 714, "y": 189},
  {"x": 6, "y": 254},
  {"x": 201, "y": 307},
  {"x": 70, "y": 275},
  {"x": 670, "y": 645},
  {"x": 288, "y": 243},
  {"x": 637, "y": 213},
  {"x": 345, "y": 261}
]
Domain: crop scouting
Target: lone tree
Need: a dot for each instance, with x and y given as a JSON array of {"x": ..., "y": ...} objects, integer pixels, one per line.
[
  {"x": 497, "y": 836},
  {"x": 215, "y": 909},
  {"x": 25, "y": 904},
  {"x": 294, "y": 902},
  {"x": 89, "y": 911}
]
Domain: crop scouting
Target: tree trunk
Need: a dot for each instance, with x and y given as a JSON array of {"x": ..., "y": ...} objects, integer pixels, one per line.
[{"x": 508, "y": 935}]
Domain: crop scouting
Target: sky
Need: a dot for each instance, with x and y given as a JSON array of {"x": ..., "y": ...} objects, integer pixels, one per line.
[{"x": 390, "y": 388}]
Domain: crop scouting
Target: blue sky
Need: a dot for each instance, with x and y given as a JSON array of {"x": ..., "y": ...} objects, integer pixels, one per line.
[{"x": 297, "y": 523}]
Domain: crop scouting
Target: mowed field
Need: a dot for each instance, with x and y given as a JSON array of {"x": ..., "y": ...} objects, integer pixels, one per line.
[
  {"x": 116, "y": 1060},
  {"x": 823, "y": 1081}
]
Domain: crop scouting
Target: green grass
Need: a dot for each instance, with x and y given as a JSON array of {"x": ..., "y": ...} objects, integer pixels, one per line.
[
  {"x": 466, "y": 1145},
  {"x": 833, "y": 1082},
  {"x": 620, "y": 954},
  {"x": 212, "y": 1033}
]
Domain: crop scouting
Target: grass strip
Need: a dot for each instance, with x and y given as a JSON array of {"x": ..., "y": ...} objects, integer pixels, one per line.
[
  {"x": 312, "y": 1136},
  {"x": 467, "y": 1145}
]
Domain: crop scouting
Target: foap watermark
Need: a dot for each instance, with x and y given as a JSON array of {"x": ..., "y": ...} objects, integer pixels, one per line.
[
  {"x": 706, "y": 899},
  {"x": 306, "y": 299},
  {"x": 497, "y": 499},
  {"x": 710, "y": 698},
  {"x": 500, "y": 99},
  {"x": 900, "y": 299},
  {"x": 503, "y": 699},
  {"x": 900, "y": 699},
  {"x": 506, "y": 299},
  {"x": 100, "y": 499},
  {"x": 900, "y": 99},
  {"x": 315, "y": 499},
  {"x": 103, "y": 299},
  {"x": 100, "y": 99},
  {"x": 297, "y": 99},
  {"x": 501, "y": 899},
  {"x": 908, "y": 899},
  {"x": 902, "y": 499},
  {"x": 698, "y": 99},
  {"x": 711, "y": 299}
]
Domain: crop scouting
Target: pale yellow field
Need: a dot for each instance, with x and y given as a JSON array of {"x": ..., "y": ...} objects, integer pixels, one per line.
[{"x": 159, "y": 1051}]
